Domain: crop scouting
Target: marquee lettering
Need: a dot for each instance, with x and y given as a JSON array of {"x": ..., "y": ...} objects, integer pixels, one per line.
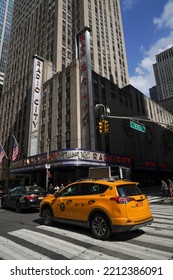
[{"x": 150, "y": 163}]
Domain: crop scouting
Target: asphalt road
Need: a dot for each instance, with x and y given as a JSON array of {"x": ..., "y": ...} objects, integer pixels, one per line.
[
  {"x": 10, "y": 220},
  {"x": 22, "y": 236}
]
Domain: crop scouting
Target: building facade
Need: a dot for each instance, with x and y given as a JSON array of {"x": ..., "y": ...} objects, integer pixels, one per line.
[
  {"x": 65, "y": 57},
  {"x": 6, "y": 11},
  {"x": 148, "y": 155},
  {"x": 163, "y": 71},
  {"x": 48, "y": 29}
]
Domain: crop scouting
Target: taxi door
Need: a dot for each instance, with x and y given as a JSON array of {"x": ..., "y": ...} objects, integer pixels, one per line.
[
  {"x": 64, "y": 202},
  {"x": 85, "y": 201}
]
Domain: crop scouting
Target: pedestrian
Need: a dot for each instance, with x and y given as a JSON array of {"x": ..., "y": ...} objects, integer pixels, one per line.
[
  {"x": 56, "y": 188},
  {"x": 62, "y": 186},
  {"x": 164, "y": 188},
  {"x": 51, "y": 189},
  {"x": 170, "y": 188}
]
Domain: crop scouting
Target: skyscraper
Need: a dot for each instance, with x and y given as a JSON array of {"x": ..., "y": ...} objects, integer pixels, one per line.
[
  {"x": 6, "y": 10},
  {"x": 48, "y": 29},
  {"x": 163, "y": 71}
]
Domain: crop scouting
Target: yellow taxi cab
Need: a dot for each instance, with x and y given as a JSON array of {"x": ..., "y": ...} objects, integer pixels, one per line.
[{"x": 105, "y": 206}]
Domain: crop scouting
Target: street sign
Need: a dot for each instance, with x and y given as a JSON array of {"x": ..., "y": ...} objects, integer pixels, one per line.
[{"x": 138, "y": 126}]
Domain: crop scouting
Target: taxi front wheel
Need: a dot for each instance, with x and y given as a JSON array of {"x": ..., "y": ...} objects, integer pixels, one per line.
[
  {"x": 100, "y": 227},
  {"x": 47, "y": 216}
]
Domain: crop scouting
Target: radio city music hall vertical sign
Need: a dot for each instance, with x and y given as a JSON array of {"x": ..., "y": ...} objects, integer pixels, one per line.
[
  {"x": 87, "y": 119},
  {"x": 35, "y": 106}
]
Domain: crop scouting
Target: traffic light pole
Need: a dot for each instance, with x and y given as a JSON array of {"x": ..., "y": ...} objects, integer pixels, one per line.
[
  {"x": 103, "y": 123},
  {"x": 106, "y": 115}
]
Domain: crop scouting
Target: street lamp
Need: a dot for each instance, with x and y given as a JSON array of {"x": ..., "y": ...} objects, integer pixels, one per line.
[
  {"x": 47, "y": 165},
  {"x": 106, "y": 110}
]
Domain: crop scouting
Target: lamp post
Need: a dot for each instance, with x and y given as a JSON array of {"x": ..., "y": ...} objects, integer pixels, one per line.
[{"x": 47, "y": 165}]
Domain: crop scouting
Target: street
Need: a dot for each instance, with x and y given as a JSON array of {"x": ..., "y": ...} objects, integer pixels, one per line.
[{"x": 22, "y": 236}]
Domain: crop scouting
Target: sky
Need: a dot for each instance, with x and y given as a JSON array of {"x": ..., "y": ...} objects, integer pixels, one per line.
[{"x": 148, "y": 30}]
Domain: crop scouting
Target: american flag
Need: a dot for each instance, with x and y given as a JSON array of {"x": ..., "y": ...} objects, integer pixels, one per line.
[
  {"x": 15, "y": 149},
  {"x": 2, "y": 153}
]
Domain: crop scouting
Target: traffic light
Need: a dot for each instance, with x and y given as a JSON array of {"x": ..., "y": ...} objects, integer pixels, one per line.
[
  {"x": 101, "y": 127},
  {"x": 106, "y": 127}
]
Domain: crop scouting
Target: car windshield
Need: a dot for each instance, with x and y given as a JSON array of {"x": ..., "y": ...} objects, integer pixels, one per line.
[
  {"x": 34, "y": 189},
  {"x": 128, "y": 190}
]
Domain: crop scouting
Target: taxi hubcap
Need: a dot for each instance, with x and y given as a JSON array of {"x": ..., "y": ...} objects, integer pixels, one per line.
[
  {"x": 99, "y": 226},
  {"x": 47, "y": 215}
]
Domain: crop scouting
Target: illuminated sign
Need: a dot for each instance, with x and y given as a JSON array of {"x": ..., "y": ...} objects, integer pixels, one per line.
[
  {"x": 86, "y": 93},
  {"x": 84, "y": 78},
  {"x": 150, "y": 163},
  {"x": 84, "y": 157},
  {"x": 74, "y": 157},
  {"x": 35, "y": 106}
]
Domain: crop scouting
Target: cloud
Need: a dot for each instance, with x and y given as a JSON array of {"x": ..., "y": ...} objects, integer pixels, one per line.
[
  {"x": 129, "y": 4},
  {"x": 144, "y": 75},
  {"x": 166, "y": 18}
]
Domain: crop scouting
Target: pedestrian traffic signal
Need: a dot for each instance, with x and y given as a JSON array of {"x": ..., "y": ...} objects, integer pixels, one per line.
[
  {"x": 106, "y": 127},
  {"x": 101, "y": 127}
]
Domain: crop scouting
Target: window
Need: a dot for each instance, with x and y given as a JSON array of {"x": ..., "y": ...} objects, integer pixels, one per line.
[
  {"x": 127, "y": 190},
  {"x": 84, "y": 189},
  {"x": 70, "y": 191}
]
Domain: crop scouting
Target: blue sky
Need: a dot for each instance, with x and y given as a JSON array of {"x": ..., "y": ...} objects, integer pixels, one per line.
[{"x": 148, "y": 30}]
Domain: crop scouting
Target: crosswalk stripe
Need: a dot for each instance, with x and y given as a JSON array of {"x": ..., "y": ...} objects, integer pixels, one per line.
[
  {"x": 156, "y": 231},
  {"x": 10, "y": 250},
  {"x": 161, "y": 226},
  {"x": 167, "y": 242},
  {"x": 154, "y": 198},
  {"x": 162, "y": 213},
  {"x": 161, "y": 206},
  {"x": 161, "y": 209},
  {"x": 118, "y": 247},
  {"x": 162, "y": 220},
  {"x": 70, "y": 250}
]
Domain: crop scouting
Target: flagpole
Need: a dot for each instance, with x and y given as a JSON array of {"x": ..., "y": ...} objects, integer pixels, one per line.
[
  {"x": 15, "y": 139},
  {"x": 3, "y": 151},
  {"x": 15, "y": 151}
]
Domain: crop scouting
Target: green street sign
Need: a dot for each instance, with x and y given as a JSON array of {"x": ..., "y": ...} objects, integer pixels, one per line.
[{"x": 138, "y": 126}]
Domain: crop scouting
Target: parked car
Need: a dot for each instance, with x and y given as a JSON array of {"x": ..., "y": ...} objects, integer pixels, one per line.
[
  {"x": 104, "y": 206},
  {"x": 23, "y": 197}
]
